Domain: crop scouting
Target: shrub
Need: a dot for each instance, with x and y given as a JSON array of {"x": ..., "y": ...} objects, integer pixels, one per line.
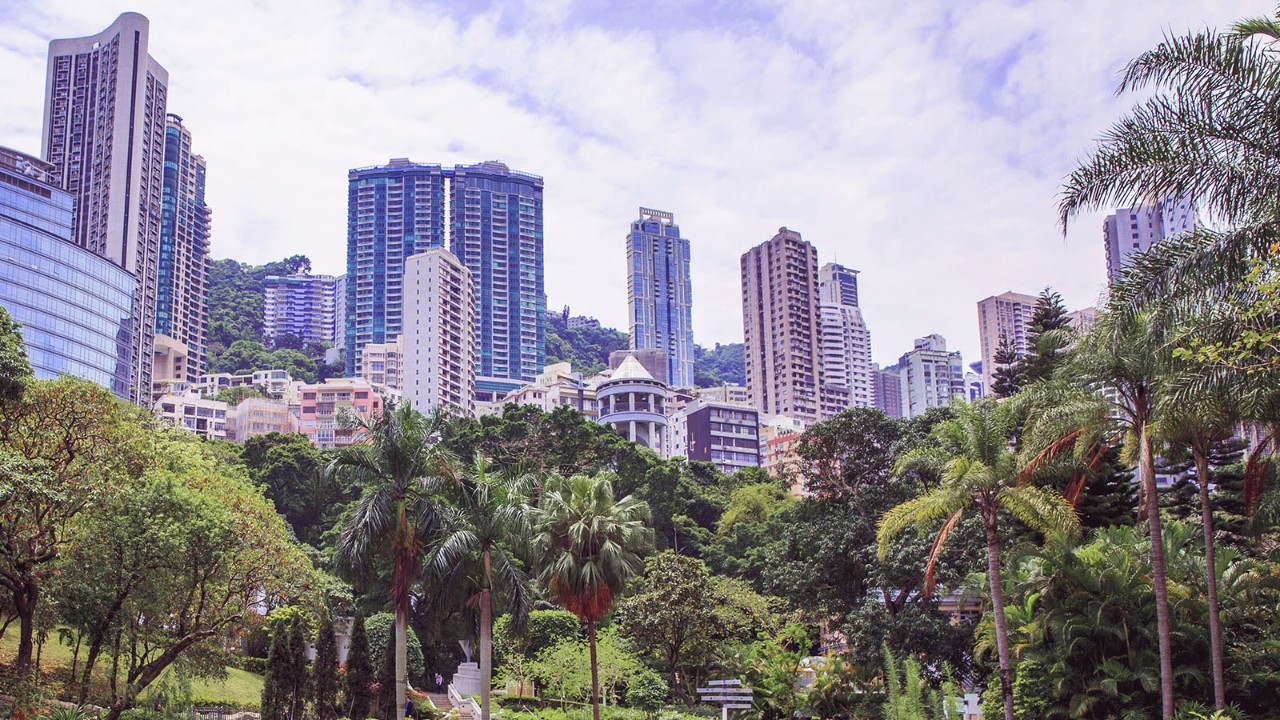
[
  {"x": 379, "y": 628},
  {"x": 646, "y": 692}
]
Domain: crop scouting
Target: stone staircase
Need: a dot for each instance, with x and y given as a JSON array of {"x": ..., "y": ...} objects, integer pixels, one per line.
[{"x": 441, "y": 701}]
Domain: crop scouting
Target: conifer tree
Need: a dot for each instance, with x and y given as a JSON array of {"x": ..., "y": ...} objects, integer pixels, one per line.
[
  {"x": 387, "y": 680},
  {"x": 1007, "y": 377},
  {"x": 359, "y": 674},
  {"x": 273, "y": 695},
  {"x": 298, "y": 684},
  {"x": 325, "y": 672},
  {"x": 1047, "y": 337}
]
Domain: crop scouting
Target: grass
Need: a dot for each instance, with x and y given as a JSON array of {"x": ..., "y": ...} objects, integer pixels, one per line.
[{"x": 239, "y": 689}]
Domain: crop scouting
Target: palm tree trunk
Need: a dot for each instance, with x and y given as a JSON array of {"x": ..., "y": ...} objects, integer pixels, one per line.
[
  {"x": 595, "y": 675},
  {"x": 402, "y": 644},
  {"x": 1147, "y": 477},
  {"x": 1211, "y": 578},
  {"x": 486, "y": 651},
  {"x": 997, "y": 609}
]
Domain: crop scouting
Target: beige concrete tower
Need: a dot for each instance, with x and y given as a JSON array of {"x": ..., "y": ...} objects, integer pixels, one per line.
[
  {"x": 1005, "y": 315},
  {"x": 104, "y": 133},
  {"x": 439, "y": 335},
  {"x": 780, "y": 325}
]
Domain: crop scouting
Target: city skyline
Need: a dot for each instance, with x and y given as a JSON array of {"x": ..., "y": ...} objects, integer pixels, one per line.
[{"x": 994, "y": 165}]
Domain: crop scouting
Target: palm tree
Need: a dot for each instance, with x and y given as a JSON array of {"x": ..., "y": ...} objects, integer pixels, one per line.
[
  {"x": 590, "y": 546},
  {"x": 1124, "y": 354},
  {"x": 1199, "y": 425},
  {"x": 485, "y": 517},
  {"x": 972, "y": 459},
  {"x": 398, "y": 511}
]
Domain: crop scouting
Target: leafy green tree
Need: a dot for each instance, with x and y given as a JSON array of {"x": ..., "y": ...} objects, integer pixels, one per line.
[
  {"x": 291, "y": 473},
  {"x": 65, "y": 445},
  {"x": 753, "y": 504},
  {"x": 397, "y": 513},
  {"x": 484, "y": 518},
  {"x": 359, "y": 671},
  {"x": 590, "y": 546},
  {"x": 769, "y": 666},
  {"x": 586, "y": 348},
  {"x": 15, "y": 369},
  {"x": 541, "y": 630},
  {"x": 721, "y": 365},
  {"x": 380, "y": 629},
  {"x": 325, "y": 672},
  {"x": 646, "y": 692},
  {"x": 976, "y": 469}
]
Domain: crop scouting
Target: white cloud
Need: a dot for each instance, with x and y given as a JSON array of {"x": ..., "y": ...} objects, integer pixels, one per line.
[{"x": 921, "y": 144}]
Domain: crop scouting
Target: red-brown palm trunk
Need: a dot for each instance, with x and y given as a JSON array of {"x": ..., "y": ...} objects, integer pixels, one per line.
[
  {"x": 1211, "y": 578},
  {"x": 1147, "y": 478}
]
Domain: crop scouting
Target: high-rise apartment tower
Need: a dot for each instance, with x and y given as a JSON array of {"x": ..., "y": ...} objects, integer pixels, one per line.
[
  {"x": 1006, "y": 316},
  {"x": 846, "y": 342},
  {"x": 660, "y": 294},
  {"x": 104, "y": 133},
  {"x": 438, "y": 344},
  {"x": 299, "y": 305},
  {"x": 488, "y": 215},
  {"x": 780, "y": 327},
  {"x": 1135, "y": 230},
  {"x": 182, "y": 287}
]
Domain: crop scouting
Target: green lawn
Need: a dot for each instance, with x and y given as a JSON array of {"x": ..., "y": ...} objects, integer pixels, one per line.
[{"x": 239, "y": 689}]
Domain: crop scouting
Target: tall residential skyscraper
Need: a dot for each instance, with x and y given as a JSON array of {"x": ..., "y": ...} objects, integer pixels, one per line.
[
  {"x": 488, "y": 215},
  {"x": 929, "y": 376},
  {"x": 299, "y": 305},
  {"x": 846, "y": 342},
  {"x": 340, "y": 312},
  {"x": 886, "y": 390},
  {"x": 780, "y": 327},
  {"x": 1135, "y": 230},
  {"x": 438, "y": 344},
  {"x": 182, "y": 287},
  {"x": 1007, "y": 315},
  {"x": 660, "y": 293},
  {"x": 104, "y": 133}
]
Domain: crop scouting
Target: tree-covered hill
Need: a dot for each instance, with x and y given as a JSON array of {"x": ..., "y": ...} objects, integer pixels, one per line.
[{"x": 587, "y": 347}]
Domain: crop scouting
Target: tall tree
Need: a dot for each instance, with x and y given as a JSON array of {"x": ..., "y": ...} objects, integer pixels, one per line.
[
  {"x": 484, "y": 519},
  {"x": 397, "y": 512},
  {"x": 1125, "y": 355},
  {"x": 976, "y": 469},
  {"x": 65, "y": 445},
  {"x": 325, "y": 672},
  {"x": 590, "y": 546},
  {"x": 359, "y": 672},
  {"x": 1048, "y": 335},
  {"x": 15, "y": 369},
  {"x": 1009, "y": 374}
]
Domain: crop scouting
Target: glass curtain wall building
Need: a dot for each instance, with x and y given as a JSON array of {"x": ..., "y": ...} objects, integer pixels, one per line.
[
  {"x": 660, "y": 292},
  {"x": 487, "y": 215},
  {"x": 75, "y": 306}
]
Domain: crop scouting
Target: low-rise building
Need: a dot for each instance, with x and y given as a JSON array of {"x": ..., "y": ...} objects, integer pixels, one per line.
[
  {"x": 557, "y": 385},
  {"x": 383, "y": 364},
  {"x": 328, "y": 407},
  {"x": 259, "y": 416},
  {"x": 725, "y": 393},
  {"x": 207, "y": 418},
  {"x": 725, "y": 434}
]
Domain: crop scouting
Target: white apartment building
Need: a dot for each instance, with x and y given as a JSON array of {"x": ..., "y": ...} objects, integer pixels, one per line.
[{"x": 439, "y": 333}]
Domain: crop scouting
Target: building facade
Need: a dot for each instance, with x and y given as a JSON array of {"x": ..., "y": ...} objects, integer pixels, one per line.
[
  {"x": 1129, "y": 231},
  {"x": 206, "y": 418},
  {"x": 1007, "y": 315},
  {"x": 488, "y": 215},
  {"x": 182, "y": 285},
  {"x": 660, "y": 292},
  {"x": 929, "y": 376},
  {"x": 886, "y": 388},
  {"x": 780, "y": 318},
  {"x": 104, "y": 133},
  {"x": 846, "y": 342},
  {"x": 75, "y": 306},
  {"x": 724, "y": 434},
  {"x": 635, "y": 404},
  {"x": 384, "y": 364},
  {"x": 299, "y": 305},
  {"x": 326, "y": 405},
  {"x": 259, "y": 416},
  {"x": 439, "y": 338}
]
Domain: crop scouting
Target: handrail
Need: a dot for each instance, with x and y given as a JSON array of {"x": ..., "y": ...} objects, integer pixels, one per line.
[{"x": 458, "y": 701}]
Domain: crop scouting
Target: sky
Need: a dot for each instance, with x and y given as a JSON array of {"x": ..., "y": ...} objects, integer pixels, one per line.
[{"x": 922, "y": 143}]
